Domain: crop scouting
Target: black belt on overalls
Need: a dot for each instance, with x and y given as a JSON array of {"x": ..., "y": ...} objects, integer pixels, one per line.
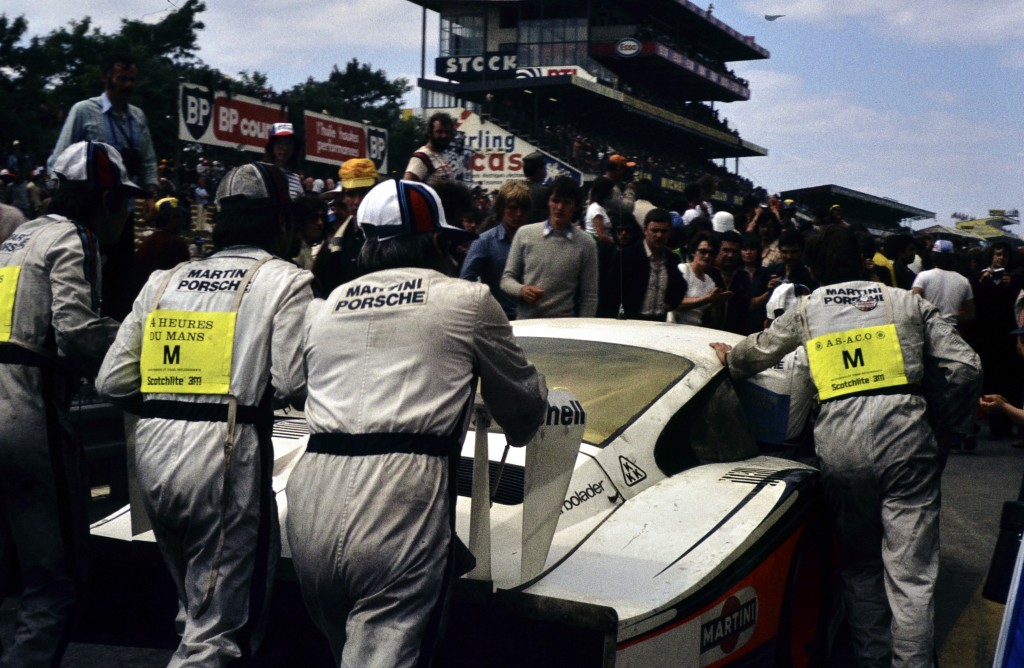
[
  {"x": 189, "y": 411},
  {"x": 11, "y": 353},
  {"x": 354, "y": 445}
]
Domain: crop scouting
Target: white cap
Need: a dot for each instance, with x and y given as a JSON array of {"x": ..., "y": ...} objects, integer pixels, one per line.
[
  {"x": 783, "y": 298},
  {"x": 281, "y": 130},
  {"x": 396, "y": 208},
  {"x": 96, "y": 166},
  {"x": 723, "y": 221}
]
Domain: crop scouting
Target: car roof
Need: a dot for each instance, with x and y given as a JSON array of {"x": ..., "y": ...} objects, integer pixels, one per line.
[{"x": 683, "y": 340}]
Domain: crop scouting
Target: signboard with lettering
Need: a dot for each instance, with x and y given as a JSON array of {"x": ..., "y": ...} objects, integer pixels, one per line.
[
  {"x": 627, "y": 47},
  {"x": 554, "y": 71},
  {"x": 496, "y": 155},
  {"x": 491, "y": 65},
  {"x": 332, "y": 141},
  {"x": 215, "y": 119}
]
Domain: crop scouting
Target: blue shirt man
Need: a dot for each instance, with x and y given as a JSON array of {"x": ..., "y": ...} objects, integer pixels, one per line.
[
  {"x": 110, "y": 118},
  {"x": 488, "y": 254}
]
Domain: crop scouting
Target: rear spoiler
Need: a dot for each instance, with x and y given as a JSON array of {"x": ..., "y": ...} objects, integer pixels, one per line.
[{"x": 550, "y": 460}]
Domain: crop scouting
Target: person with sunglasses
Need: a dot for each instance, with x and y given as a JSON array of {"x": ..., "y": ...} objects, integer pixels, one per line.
[{"x": 705, "y": 290}]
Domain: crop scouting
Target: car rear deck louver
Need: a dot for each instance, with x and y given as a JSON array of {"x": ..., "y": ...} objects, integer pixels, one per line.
[
  {"x": 510, "y": 486},
  {"x": 749, "y": 474}
]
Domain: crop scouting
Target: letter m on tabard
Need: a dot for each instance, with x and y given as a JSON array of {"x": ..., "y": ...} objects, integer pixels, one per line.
[
  {"x": 857, "y": 359},
  {"x": 172, "y": 355}
]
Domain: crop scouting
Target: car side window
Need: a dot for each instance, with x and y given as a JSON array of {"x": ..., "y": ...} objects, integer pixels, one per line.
[{"x": 710, "y": 427}]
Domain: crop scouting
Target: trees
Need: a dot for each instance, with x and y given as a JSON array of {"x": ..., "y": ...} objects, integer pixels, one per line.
[
  {"x": 357, "y": 93},
  {"x": 362, "y": 94},
  {"x": 41, "y": 79},
  {"x": 45, "y": 77}
]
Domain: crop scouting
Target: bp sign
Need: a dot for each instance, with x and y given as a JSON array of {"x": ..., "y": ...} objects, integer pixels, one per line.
[
  {"x": 196, "y": 110},
  {"x": 377, "y": 147}
]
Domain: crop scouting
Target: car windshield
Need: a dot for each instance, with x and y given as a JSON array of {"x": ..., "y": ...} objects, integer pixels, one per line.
[{"x": 614, "y": 382}]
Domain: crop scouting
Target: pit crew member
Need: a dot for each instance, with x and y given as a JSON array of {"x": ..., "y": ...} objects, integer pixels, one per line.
[
  {"x": 887, "y": 367},
  {"x": 206, "y": 347},
  {"x": 51, "y": 334},
  {"x": 371, "y": 503}
]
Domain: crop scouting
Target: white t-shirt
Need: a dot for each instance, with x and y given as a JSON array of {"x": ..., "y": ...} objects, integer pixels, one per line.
[
  {"x": 695, "y": 287},
  {"x": 438, "y": 170},
  {"x": 593, "y": 211},
  {"x": 690, "y": 214},
  {"x": 948, "y": 290}
]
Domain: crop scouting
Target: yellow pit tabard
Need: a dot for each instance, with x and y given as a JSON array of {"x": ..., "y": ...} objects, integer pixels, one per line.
[
  {"x": 187, "y": 352},
  {"x": 856, "y": 360},
  {"x": 8, "y": 289}
]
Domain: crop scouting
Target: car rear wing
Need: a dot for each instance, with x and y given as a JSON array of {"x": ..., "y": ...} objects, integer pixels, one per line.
[{"x": 550, "y": 460}]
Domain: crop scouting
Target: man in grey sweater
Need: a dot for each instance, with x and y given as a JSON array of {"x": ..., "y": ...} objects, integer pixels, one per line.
[{"x": 552, "y": 267}]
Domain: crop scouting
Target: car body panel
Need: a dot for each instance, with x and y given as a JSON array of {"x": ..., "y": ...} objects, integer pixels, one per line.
[{"x": 694, "y": 567}]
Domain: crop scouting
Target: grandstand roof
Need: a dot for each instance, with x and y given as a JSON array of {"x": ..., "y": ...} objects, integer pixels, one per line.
[
  {"x": 989, "y": 229},
  {"x": 694, "y": 23},
  {"x": 859, "y": 207},
  {"x": 946, "y": 231},
  {"x": 657, "y": 64},
  {"x": 705, "y": 30},
  {"x": 610, "y": 109}
]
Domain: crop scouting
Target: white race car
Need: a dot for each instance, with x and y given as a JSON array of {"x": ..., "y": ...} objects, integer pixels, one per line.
[{"x": 641, "y": 527}]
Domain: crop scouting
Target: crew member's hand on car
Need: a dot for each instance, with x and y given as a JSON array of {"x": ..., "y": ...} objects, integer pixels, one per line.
[{"x": 722, "y": 350}]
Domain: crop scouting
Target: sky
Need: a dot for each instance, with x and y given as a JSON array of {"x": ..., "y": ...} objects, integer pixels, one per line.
[{"x": 914, "y": 101}]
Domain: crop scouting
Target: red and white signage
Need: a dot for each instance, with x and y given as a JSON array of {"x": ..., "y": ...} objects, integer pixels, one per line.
[
  {"x": 554, "y": 71},
  {"x": 215, "y": 119},
  {"x": 493, "y": 154},
  {"x": 238, "y": 121},
  {"x": 333, "y": 140}
]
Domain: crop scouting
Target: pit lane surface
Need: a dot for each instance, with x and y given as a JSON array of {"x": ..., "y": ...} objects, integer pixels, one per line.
[{"x": 974, "y": 487}]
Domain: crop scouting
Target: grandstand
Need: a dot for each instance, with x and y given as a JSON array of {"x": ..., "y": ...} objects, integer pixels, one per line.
[
  {"x": 638, "y": 78},
  {"x": 881, "y": 215},
  {"x": 992, "y": 228}
]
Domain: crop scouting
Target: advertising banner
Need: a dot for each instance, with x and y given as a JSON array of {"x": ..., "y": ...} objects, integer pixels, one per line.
[
  {"x": 332, "y": 141},
  {"x": 494, "y": 155},
  {"x": 237, "y": 121},
  {"x": 216, "y": 119},
  {"x": 554, "y": 71},
  {"x": 493, "y": 65}
]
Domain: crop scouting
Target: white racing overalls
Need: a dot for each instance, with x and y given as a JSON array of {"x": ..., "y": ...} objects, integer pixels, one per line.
[
  {"x": 208, "y": 344},
  {"x": 50, "y": 334},
  {"x": 887, "y": 368},
  {"x": 393, "y": 359}
]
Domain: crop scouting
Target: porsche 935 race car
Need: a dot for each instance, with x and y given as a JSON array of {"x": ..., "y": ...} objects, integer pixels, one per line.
[{"x": 640, "y": 527}]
